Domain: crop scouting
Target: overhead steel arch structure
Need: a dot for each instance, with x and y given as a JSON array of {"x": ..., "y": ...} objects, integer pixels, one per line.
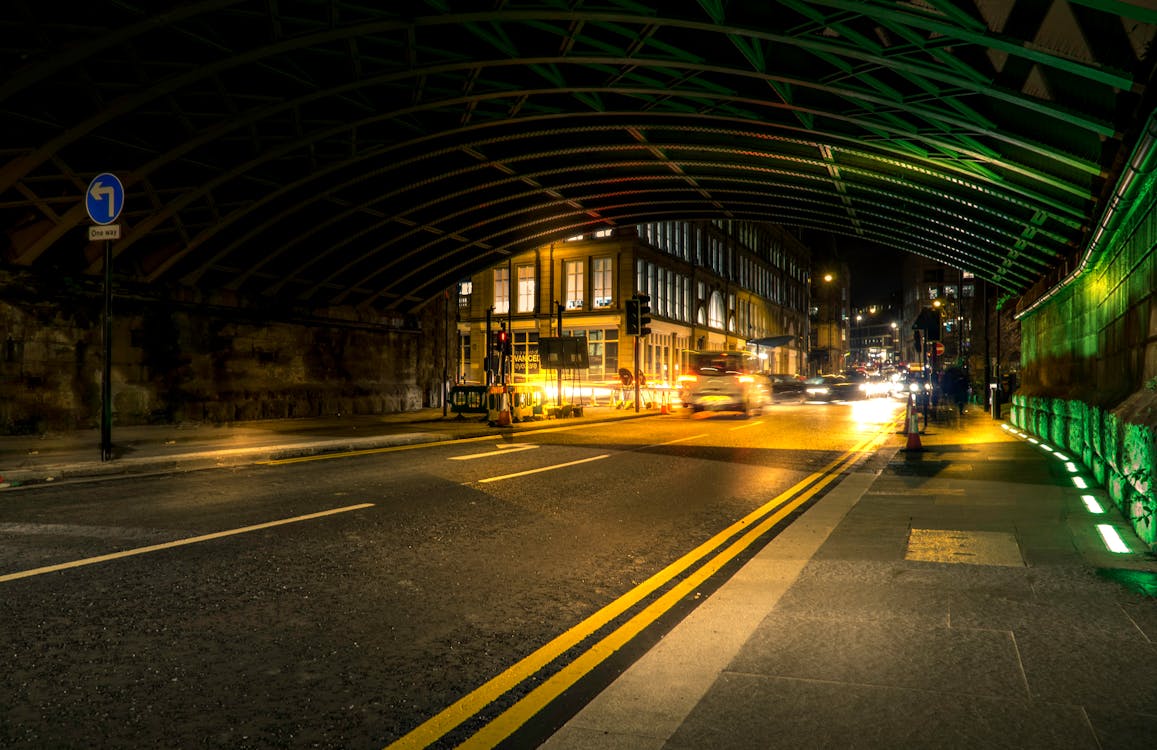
[{"x": 333, "y": 152}]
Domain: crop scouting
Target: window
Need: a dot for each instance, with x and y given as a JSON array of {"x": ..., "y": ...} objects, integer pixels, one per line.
[
  {"x": 602, "y": 352},
  {"x": 573, "y": 274},
  {"x": 525, "y": 289},
  {"x": 501, "y": 290},
  {"x": 659, "y": 303},
  {"x": 715, "y": 312},
  {"x": 602, "y": 282}
]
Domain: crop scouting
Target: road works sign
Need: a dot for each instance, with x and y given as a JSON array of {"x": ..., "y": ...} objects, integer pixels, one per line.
[{"x": 104, "y": 198}]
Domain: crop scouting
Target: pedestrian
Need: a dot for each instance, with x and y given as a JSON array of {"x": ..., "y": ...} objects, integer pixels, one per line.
[{"x": 956, "y": 387}]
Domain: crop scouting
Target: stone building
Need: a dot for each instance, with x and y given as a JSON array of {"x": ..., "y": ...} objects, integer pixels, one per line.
[{"x": 712, "y": 285}]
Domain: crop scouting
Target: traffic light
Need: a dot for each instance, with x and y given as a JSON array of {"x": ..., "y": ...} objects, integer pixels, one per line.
[
  {"x": 928, "y": 321},
  {"x": 644, "y": 302},
  {"x": 503, "y": 342},
  {"x": 631, "y": 308}
]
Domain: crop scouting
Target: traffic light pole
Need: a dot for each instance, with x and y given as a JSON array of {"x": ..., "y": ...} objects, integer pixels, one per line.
[
  {"x": 638, "y": 311},
  {"x": 637, "y": 371},
  {"x": 558, "y": 400}
]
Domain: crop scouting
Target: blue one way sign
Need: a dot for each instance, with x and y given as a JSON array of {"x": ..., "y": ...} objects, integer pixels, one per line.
[{"x": 104, "y": 198}]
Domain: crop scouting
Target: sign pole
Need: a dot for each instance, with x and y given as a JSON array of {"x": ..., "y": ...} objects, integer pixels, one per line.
[
  {"x": 106, "y": 380},
  {"x": 103, "y": 200}
]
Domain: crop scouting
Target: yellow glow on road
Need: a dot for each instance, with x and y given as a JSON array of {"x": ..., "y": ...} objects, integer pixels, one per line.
[{"x": 869, "y": 414}]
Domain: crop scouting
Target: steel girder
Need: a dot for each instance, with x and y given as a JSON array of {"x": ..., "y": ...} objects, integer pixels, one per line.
[{"x": 324, "y": 152}]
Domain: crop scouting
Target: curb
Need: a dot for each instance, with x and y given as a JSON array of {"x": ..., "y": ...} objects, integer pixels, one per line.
[{"x": 234, "y": 457}]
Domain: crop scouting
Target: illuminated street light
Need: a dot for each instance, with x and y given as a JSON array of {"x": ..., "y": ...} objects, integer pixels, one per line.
[{"x": 828, "y": 321}]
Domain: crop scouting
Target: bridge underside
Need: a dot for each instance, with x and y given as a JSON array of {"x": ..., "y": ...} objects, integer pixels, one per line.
[{"x": 316, "y": 154}]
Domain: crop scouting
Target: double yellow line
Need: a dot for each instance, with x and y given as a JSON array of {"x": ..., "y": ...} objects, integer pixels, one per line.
[{"x": 751, "y": 527}]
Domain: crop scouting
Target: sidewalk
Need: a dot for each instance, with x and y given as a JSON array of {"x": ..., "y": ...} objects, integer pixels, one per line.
[
  {"x": 960, "y": 598},
  {"x": 144, "y": 449}
]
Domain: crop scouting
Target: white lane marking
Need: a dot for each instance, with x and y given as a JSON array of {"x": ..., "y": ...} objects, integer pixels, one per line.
[
  {"x": 501, "y": 450},
  {"x": 746, "y": 425},
  {"x": 672, "y": 442},
  {"x": 176, "y": 543},
  {"x": 544, "y": 468}
]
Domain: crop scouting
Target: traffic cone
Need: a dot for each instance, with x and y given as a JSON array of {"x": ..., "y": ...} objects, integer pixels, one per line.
[
  {"x": 504, "y": 413},
  {"x": 913, "y": 431}
]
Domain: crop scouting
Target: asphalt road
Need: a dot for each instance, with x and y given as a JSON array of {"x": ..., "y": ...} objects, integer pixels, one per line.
[{"x": 346, "y": 602}]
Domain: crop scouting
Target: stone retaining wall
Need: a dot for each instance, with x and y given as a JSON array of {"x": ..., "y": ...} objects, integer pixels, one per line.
[
  {"x": 1117, "y": 446},
  {"x": 174, "y": 362}
]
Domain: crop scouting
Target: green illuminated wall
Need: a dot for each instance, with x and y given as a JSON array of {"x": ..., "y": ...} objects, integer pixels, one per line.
[{"x": 1089, "y": 362}]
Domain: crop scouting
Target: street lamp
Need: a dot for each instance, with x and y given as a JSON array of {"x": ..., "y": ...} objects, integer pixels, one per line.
[{"x": 828, "y": 323}]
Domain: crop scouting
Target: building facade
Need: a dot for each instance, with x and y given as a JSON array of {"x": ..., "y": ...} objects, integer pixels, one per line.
[
  {"x": 875, "y": 337},
  {"x": 712, "y": 285},
  {"x": 946, "y": 296},
  {"x": 829, "y": 315}
]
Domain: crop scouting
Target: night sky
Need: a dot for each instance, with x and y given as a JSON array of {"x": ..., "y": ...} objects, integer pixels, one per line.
[{"x": 876, "y": 271}]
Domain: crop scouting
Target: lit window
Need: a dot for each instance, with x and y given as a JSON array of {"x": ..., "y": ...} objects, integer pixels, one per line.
[
  {"x": 502, "y": 290},
  {"x": 602, "y": 282},
  {"x": 573, "y": 272},
  {"x": 525, "y": 289}
]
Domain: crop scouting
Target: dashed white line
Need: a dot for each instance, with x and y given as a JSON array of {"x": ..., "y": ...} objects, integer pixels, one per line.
[{"x": 499, "y": 452}]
